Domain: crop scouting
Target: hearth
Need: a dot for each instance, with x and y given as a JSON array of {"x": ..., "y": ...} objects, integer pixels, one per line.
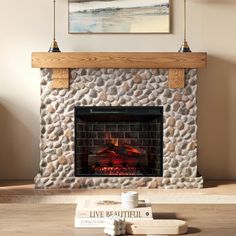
[{"x": 118, "y": 141}]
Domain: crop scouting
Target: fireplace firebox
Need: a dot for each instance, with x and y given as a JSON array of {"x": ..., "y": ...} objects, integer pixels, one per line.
[{"x": 118, "y": 141}]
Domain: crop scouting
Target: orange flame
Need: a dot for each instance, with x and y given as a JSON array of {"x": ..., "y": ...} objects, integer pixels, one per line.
[{"x": 115, "y": 141}]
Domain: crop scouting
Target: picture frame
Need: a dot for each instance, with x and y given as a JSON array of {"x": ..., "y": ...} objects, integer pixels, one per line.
[{"x": 119, "y": 16}]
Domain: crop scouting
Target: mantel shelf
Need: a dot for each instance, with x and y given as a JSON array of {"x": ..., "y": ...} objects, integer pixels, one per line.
[
  {"x": 175, "y": 62},
  {"x": 165, "y": 60}
]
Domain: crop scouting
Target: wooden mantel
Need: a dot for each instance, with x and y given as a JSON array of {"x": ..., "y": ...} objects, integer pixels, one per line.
[{"x": 62, "y": 62}]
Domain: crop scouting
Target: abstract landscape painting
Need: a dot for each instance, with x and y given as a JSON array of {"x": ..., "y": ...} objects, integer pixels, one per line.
[{"x": 119, "y": 16}]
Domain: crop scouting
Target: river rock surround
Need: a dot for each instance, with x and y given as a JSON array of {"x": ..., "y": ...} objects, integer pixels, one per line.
[{"x": 118, "y": 87}]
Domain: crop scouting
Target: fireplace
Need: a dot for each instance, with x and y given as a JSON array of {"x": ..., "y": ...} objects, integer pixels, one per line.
[
  {"x": 118, "y": 141},
  {"x": 118, "y": 128}
]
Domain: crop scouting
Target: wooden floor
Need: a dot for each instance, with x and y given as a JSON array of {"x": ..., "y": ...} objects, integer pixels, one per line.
[
  {"x": 57, "y": 219},
  {"x": 214, "y": 192},
  {"x": 25, "y": 211}
]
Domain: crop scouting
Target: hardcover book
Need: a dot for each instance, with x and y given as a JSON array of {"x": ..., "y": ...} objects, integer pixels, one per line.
[{"x": 105, "y": 208}]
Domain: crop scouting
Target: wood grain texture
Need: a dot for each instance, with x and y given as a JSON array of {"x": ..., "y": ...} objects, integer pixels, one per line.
[
  {"x": 176, "y": 78},
  {"x": 25, "y": 192},
  {"x": 158, "y": 226},
  {"x": 60, "y": 78},
  {"x": 142, "y": 60},
  {"x": 58, "y": 219}
]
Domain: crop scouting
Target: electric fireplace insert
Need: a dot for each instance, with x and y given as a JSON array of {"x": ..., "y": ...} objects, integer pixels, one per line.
[{"x": 118, "y": 141}]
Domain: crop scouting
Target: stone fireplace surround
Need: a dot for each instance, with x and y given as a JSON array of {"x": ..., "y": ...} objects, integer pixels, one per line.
[{"x": 118, "y": 87}]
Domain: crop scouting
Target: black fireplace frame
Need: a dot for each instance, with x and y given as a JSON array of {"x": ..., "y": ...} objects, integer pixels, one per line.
[{"x": 123, "y": 113}]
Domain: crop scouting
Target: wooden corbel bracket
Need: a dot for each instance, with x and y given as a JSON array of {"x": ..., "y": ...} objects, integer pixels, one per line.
[
  {"x": 60, "y": 78},
  {"x": 176, "y": 78}
]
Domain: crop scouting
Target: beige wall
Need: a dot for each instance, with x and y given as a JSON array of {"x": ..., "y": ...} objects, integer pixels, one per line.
[{"x": 25, "y": 26}]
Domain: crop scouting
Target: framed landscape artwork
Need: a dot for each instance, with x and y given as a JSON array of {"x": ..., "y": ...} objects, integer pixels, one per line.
[{"x": 119, "y": 16}]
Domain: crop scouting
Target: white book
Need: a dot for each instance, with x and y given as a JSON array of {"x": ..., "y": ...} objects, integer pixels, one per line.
[{"x": 107, "y": 208}]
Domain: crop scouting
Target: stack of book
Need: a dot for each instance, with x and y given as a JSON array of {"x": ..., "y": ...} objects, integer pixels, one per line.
[{"x": 93, "y": 214}]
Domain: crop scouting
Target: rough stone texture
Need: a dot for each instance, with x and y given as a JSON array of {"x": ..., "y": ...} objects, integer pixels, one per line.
[
  {"x": 118, "y": 182},
  {"x": 118, "y": 87}
]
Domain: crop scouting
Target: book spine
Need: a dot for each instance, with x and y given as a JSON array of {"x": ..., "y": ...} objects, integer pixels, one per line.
[{"x": 122, "y": 213}]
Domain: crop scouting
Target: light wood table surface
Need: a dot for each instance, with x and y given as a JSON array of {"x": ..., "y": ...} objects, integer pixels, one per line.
[
  {"x": 57, "y": 219},
  {"x": 214, "y": 192}
]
